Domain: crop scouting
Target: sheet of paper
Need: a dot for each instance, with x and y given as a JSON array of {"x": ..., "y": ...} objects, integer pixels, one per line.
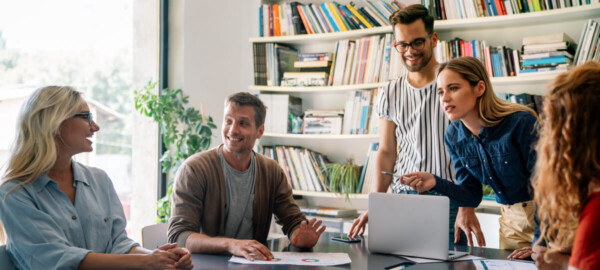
[
  {"x": 423, "y": 260},
  {"x": 300, "y": 258},
  {"x": 504, "y": 265}
]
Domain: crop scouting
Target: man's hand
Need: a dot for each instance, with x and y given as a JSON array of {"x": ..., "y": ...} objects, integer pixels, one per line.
[
  {"x": 419, "y": 181},
  {"x": 521, "y": 254},
  {"x": 467, "y": 221},
  {"x": 556, "y": 259},
  {"x": 184, "y": 256},
  {"x": 244, "y": 248},
  {"x": 358, "y": 226},
  {"x": 307, "y": 234}
]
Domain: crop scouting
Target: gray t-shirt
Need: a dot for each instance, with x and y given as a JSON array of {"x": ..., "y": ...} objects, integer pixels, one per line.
[{"x": 240, "y": 198}]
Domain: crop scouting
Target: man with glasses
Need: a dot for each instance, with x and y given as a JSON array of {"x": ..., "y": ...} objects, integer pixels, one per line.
[{"x": 412, "y": 124}]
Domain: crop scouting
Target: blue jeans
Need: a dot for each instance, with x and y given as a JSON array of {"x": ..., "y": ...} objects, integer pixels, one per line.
[{"x": 453, "y": 212}]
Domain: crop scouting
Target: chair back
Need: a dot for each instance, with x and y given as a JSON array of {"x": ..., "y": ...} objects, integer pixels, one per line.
[
  {"x": 154, "y": 235},
  {"x": 5, "y": 262}
]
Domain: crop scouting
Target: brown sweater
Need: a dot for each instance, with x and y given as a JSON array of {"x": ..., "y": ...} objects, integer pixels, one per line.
[{"x": 199, "y": 198}]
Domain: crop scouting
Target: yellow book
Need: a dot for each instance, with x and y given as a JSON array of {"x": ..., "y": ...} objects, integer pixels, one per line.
[
  {"x": 336, "y": 15},
  {"x": 359, "y": 16}
]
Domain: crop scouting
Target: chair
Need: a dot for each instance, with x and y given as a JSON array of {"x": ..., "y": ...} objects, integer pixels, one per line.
[
  {"x": 5, "y": 262},
  {"x": 154, "y": 235}
]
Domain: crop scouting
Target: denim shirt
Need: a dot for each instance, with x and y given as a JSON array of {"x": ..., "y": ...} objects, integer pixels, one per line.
[
  {"x": 46, "y": 231},
  {"x": 503, "y": 157}
]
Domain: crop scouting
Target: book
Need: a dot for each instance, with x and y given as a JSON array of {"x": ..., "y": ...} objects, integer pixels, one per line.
[
  {"x": 322, "y": 125},
  {"x": 547, "y": 38},
  {"x": 311, "y": 64},
  {"x": 329, "y": 212}
]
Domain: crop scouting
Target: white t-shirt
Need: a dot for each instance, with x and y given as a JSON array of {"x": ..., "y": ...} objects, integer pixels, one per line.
[{"x": 420, "y": 128}]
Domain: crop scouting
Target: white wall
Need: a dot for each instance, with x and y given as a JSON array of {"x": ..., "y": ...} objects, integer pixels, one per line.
[{"x": 217, "y": 57}]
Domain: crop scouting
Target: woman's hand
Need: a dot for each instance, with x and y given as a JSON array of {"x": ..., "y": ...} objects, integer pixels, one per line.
[{"x": 419, "y": 181}]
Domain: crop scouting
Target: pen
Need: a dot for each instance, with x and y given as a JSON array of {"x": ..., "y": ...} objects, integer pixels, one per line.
[{"x": 398, "y": 177}]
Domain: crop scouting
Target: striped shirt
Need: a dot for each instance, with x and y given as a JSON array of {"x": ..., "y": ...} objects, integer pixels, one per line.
[{"x": 420, "y": 128}]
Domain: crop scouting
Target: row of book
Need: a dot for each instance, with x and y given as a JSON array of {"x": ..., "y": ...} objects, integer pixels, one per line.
[
  {"x": 365, "y": 60},
  {"x": 549, "y": 53},
  {"x": 360, "y": 114},
  {"x": 535, "y": 102},
  {"x": 589, "y": 43},
  {"x": 464, "y": 9},
  {"x": 304, "y": 169},
  {"x": 368, "y": 173},
  {"x": 294, "y": 18},
  {"x": 271, "y": 60},
  {"x": 282, "y": 110}
]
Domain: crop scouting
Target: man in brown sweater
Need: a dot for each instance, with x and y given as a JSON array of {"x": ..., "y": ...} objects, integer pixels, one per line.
[{"x": 224, "y": 198}]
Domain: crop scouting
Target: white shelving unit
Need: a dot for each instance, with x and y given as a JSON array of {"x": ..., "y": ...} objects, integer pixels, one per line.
[{"x": 501, "y": 30}]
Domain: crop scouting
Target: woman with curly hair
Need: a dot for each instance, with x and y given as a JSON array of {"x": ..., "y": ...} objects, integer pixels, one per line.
[{"x": 567, "y": 175}]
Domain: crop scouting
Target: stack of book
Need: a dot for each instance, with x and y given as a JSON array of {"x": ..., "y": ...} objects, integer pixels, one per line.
[
  {"x": 365, "y": 60},
  {"x": 552, "y": 53},
  {"x": 304, "y": 169},
  {"x": 360, "y": 117},
  {"x": 323, "y": 121},
  {"x": 295, "y": 19},
  {"x": 281, "y": 112},
  {"x": 588, "y": 44},
  {"x": 313, "y": 67},
  {"x": 329, "y": 212}
]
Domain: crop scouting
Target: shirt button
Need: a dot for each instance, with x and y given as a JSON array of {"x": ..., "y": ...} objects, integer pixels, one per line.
[
  {"x": 467, "y": 166},
  {"x": 505, "y": 162},
  {"x": 484, "y": 161},
  {"x": 105, "y": 219},
  {"x": 73, "y": 217},
  {"x": 490, "y": 178}
]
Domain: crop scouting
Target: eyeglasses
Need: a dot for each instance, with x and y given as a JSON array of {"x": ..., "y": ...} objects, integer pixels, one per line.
[
  {"x": 87, "y": 116},
  {"x": 416, "y": 44}
]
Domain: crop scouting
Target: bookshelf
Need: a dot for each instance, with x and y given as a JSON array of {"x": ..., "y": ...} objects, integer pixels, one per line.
[{"x": 505, "y": 30}]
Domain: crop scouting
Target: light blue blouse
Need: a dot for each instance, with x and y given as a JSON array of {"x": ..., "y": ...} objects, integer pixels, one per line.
[{"x": 46, "y": 231}]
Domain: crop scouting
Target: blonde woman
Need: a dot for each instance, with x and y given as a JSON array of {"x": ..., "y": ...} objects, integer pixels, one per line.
[
  {"x": 490, "y": 141},
  {"x": 58, "y": 213},
  {"x": 567, "y": 175}
]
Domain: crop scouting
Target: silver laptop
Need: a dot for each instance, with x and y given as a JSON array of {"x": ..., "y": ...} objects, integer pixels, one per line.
[{"x": 410, "y": 225}]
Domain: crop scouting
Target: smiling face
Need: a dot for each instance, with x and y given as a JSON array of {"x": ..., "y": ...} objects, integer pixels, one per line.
[
  {"x": 457, "y": 97},
  {"x": 74, "y": 134},
  {"x": 239, "y": 129},
  {"x": 415, "y": 60}
]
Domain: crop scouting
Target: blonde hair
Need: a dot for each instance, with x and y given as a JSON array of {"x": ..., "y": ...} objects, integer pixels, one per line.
[
  {"x": 568, "y": 156},
  {"x": 491, "y": 108},
  {"x": 34, "y": 150}
]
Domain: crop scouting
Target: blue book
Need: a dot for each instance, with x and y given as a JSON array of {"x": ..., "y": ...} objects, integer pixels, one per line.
[
  {"x": 260, "y": 21},
  {"x": 327, "y": 12},
  {"x": 495, "y": 11},
  {"x": 559, "y": 59},
  {"x": 342, "y": 17},
  {"x": 474, "y": 48}
]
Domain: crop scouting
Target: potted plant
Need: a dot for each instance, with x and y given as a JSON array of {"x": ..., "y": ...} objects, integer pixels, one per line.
[
  {"x": 343, "y": 178},
  {"x": 183, "y": 129}
]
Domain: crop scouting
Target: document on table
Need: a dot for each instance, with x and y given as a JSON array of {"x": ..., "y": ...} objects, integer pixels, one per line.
[
  {"x": 299, "y": 258},
  {"x": 504, "y": 265},
  {"x": 423, "y": 260}
]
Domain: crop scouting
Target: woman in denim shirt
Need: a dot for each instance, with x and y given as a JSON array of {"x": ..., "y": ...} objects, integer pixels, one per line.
[
  {"x": 493, "y": 144},
  {"x": 58, "y": 213}
]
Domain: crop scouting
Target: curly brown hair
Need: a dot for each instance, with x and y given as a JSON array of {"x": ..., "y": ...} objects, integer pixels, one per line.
[{"x": 568, "y": 156}]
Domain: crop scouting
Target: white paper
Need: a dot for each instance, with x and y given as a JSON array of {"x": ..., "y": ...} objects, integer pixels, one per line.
[
  {"x": 423, "y": 260},
  {"x": 504, "y": 265},
  {"x": 299, "y": 258}
]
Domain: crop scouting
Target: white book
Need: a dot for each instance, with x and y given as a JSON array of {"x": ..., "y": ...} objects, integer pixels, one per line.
[
  {"x": 349, "y": 63},
  {"x": 547, "y": 38},
  {"x": 283, "y": 26},
  {"x": 517, "y": 66},
  {"x": 302, "y": 178},
  {"x": 340, "y": 62},
  {"x": 382, "y": 21},
  {"x": 348, "y": 112},
  {"x": 356, "y": 109},
  {"x": 288, "y": 15},
  {"x": 378, "y": 62},
  {"x": 581, "y": 38},
  {"x": 585, "y": 46},
  {"x": 356, "y": 61},
  {"x": 371, "y": 57},
  {"x": 313, "y": 173}
]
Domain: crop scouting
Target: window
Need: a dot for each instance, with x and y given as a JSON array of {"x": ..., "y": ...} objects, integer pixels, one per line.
[{"x": 87, "y": 44}]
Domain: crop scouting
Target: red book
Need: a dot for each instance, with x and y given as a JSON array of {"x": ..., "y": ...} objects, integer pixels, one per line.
[
  {"x": 462, "y": 48},
  {"x": 500, "y": 7}
]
